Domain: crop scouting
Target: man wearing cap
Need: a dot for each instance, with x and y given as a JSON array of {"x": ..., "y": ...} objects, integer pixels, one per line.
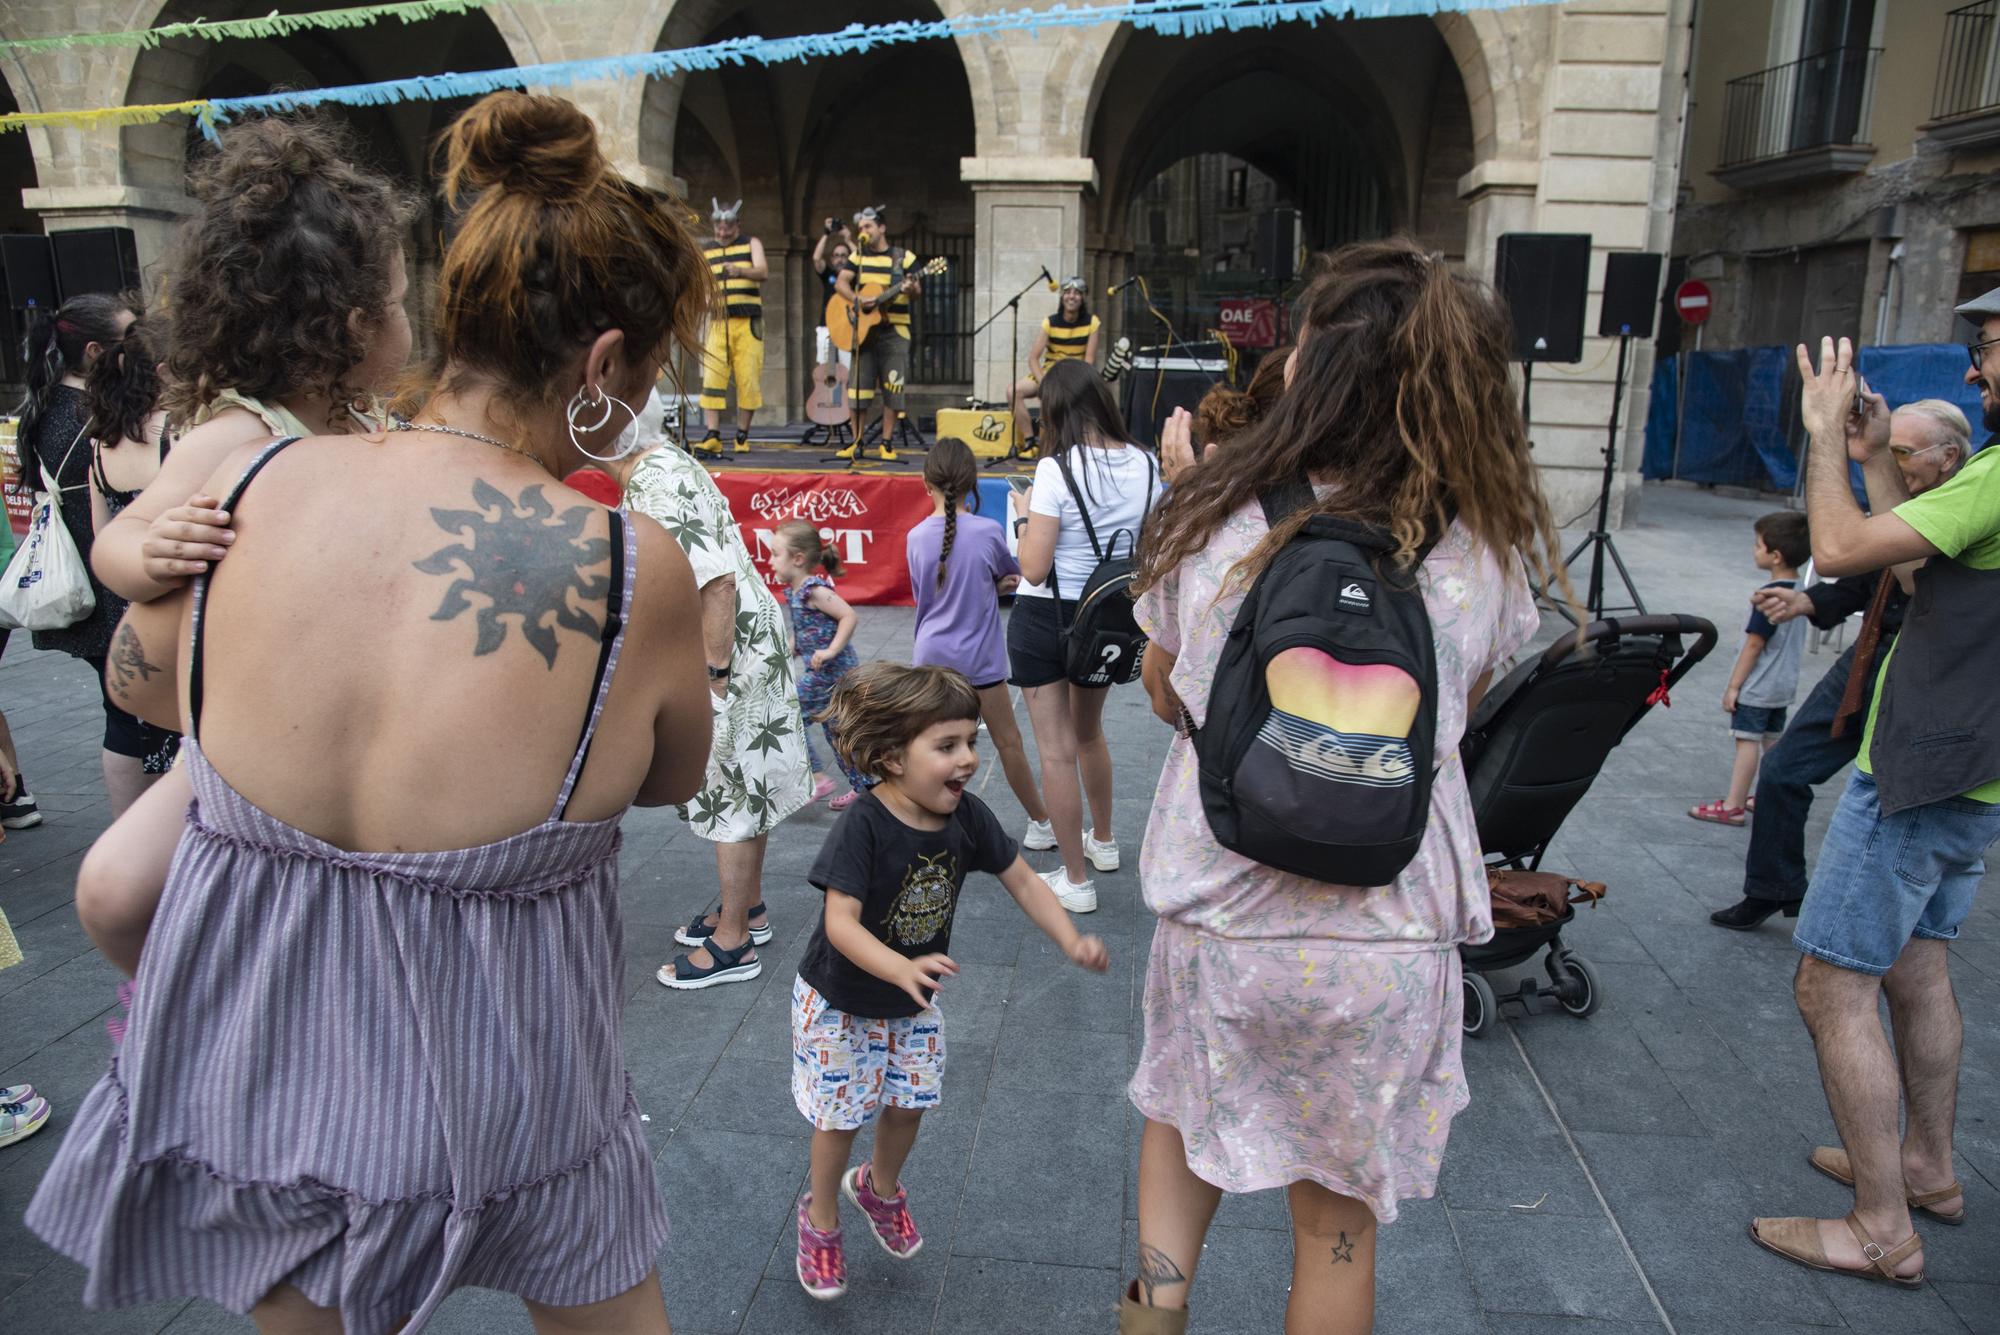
[
  {"x": 1906, "y": 850},
  {"x": 882, "y": 362},
  {"x": 1070, "y": 333},
  {"x": 734, "y": 348}
]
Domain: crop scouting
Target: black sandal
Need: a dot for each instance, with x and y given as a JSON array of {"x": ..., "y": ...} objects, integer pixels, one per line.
[
  {"x": 696, "y": 933},
  {"x": 729, "y": 966}
]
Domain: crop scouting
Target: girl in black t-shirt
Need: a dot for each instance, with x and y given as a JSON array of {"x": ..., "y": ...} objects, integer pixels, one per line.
[{"x": 867, "y": 1035}]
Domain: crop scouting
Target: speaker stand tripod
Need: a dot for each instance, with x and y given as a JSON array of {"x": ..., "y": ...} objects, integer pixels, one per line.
[{"x": 1598, "y": 541}]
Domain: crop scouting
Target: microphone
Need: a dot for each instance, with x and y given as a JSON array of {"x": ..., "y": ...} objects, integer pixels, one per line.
[
  {"x": 1115, "y": 290},
  {"x": 1048, "y": 278}
]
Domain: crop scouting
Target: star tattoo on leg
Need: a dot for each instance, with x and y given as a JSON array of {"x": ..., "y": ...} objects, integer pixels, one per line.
[{"x": 1343, "y": 1250}]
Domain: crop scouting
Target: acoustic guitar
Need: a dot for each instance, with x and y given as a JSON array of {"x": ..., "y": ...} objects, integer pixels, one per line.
[
  {"x": 827, "y": 404},
  {"x": 850, "y": 322}
]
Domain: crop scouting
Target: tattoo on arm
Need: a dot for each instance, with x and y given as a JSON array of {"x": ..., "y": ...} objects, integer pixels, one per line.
[
  {"x": 128, "y": 660},
  {"x": 526, "y": 560},
  {"x": 1343, "y": 1251},
  {"x": 1156, "y": 1269}
]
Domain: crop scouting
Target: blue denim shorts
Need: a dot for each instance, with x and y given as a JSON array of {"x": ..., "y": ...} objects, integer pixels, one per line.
[
  {"x": 1753, "y": 723},
  {"x": 1883, "y": 879}
]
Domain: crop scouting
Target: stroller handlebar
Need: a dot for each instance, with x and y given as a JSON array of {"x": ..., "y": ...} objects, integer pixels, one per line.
[{"x": 1612, "y": 629}]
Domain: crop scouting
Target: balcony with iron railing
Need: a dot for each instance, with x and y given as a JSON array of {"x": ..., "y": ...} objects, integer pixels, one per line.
[
  {"x": 1965, "y": 109},
  {"x": 1802, "y": 121}
]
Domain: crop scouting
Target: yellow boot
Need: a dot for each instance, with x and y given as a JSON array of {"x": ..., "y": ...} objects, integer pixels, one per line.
[
  {"x": 1136, "y": 1319},
  {"x": 709, "y": 444},
  {"x": 884, "y": 453},
  {"x": 743, "y": 442},
  {"x": 853, "y": 447}
]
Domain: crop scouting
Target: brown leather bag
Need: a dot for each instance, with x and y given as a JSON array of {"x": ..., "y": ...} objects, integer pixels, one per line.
[{"x": 1536, "y": 898}]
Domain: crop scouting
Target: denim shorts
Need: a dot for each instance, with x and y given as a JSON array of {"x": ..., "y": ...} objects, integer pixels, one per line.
[
  {"x": 1753, "y": 723},
  {"x": 1883, "y": 879}
]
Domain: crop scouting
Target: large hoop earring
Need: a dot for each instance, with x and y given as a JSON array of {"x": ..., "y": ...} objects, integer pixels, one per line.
[
  {"x": 607, "y": 399},
  {"x": 578, "y": 403}
]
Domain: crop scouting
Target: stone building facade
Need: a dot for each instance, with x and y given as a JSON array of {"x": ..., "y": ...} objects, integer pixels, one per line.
[{"x": 1013, "y": 151}]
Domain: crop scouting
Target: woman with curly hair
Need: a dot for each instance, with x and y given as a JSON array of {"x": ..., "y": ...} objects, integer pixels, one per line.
[
  {"x": 285, "y": 318},
  {"x": 1302, "y": 1034},
  {"x": 375, "y": 1052}
]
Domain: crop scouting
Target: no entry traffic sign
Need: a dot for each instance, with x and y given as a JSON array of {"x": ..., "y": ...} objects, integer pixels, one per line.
[{"x": 1692, "y": 299}]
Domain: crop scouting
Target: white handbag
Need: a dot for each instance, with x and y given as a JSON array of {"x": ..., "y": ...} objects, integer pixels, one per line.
[{"x": 46, "y": 585}]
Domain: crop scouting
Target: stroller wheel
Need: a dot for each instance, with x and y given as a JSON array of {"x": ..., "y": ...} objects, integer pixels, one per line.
[
  {"x": 1482, "y": 1008},
  {"x": 1577, "y": 990}
]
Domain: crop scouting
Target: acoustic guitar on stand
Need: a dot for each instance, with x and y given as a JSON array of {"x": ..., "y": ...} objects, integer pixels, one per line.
[
  {"x": 827, "y": 404},
  {"x": 850, "y": 322}
]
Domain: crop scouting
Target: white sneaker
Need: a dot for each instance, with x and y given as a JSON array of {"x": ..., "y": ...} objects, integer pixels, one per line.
[
  {"x": 1075, "y": 898},
  {"x": 1040, "y": 838},
  {"x": 1102, "y": 856}
]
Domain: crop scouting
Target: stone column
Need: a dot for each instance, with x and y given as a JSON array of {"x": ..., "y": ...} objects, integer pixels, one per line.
[{"x": 1028, "y": 215}]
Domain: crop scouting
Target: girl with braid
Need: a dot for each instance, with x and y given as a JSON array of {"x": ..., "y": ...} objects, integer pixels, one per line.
[{"x": 959, "y": 565}]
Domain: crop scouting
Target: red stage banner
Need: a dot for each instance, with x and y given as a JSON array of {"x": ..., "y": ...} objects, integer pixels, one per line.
[
  {"x": 1250, "y": 322},
  {"x": 865, "y": 520}
]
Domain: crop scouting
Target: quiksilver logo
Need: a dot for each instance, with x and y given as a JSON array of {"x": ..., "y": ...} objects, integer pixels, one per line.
[{"x": 1353, "y": 597}]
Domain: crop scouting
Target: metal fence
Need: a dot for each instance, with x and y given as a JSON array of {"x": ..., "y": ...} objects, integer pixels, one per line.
[
  {"x": 941, "y": 323},
  {"x": 1968, "y": 73},
  {"x": 1810, "y": 103}
]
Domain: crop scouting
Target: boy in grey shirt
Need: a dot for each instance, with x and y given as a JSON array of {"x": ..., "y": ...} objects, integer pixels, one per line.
[{"x": 1766, "y": 675}]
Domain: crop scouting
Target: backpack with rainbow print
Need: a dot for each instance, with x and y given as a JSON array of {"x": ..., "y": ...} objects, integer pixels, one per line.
[{"x": 1317, "y": 754}]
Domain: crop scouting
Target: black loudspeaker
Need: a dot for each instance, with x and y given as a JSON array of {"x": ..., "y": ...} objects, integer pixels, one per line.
[
  {"x": 30, "y": 270},
  {"x": 1631, "y": 295},
  {"x": 1545, "y": 277},
  {"x": 1277, "y": 244},
  {"x": 1178, "y": 382},
  {"x": 96, "y": 259}
]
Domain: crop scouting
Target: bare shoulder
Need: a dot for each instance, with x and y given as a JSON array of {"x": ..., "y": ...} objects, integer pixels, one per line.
[{"x": 218, "y": 437}]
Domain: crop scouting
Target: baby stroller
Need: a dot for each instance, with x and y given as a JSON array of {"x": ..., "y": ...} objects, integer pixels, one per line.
[{"x": 1531, "y": 751}]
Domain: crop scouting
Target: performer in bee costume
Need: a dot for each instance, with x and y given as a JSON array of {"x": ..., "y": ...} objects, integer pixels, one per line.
[
  {"x": 1070, "y": 333},
  {"x": 882, "y": 363},
  {"x": 734, "y": 349}
]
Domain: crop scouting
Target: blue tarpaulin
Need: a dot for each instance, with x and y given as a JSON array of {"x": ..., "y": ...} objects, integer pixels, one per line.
[{"x": 1742, "y": 409}]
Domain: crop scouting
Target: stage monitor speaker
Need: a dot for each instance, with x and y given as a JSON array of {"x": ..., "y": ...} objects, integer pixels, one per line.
[
  {"x": 96, "y": 259},
  {"x": 1276, "y": 247},
  {"x": 1631, "y": 295},
  {"x": 30, "y": 265},
  {"x": 1180, "y": 382},
  {"x": 1545, "y": 277}
]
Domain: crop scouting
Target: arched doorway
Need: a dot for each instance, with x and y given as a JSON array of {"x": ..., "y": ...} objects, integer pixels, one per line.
[
  {"x": 800, "y": 143},
  {"x": 395, "y": 139},
  {"x": 17, "y": 173},
  {"x": 1227, "y": 159}
]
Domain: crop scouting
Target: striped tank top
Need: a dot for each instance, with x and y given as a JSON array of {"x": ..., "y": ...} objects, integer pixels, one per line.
[
  {"x": 741, "y": 296},
  {"x": 1066, "y": 342},
  {"x": 879, "y": 268},
  {"x": 377, "y": 1077}
]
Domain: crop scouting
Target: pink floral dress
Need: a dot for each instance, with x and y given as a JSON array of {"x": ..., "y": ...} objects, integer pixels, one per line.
[{"x": 1296, "y": 1030}]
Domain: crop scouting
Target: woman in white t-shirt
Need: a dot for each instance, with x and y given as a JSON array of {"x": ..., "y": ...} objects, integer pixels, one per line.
[{"x": 1116, "y": 480}]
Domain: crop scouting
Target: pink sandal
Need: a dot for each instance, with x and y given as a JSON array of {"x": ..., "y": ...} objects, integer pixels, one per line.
[{"x": 1716, "y": 813}]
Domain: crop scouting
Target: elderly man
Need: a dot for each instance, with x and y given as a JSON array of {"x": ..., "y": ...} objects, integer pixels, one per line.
[
  {"x": 1906, "y": 850},
  {"x": 1928, "y": 441}
]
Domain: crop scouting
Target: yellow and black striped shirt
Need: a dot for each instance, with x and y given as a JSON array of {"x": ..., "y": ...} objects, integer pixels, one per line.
[
  {"x": 743, "y": 296},
  {"x": 869, "y": 267},
  {"x": 1066, "y": 341}
]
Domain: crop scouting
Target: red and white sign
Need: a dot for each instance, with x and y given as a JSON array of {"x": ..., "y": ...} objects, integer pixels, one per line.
[
  {"x": 1694, "y": 301},
  {"x": 1249, "y": 322},
  {"x": 20, "y": 501},
  {"x": 865, "y": 520}
]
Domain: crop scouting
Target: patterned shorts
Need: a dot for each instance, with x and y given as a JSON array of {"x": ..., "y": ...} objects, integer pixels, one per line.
[{"x": 845, "y": 1067}]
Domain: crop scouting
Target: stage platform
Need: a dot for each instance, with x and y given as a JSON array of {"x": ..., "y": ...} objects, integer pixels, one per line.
[{"x": 777, "y": 449}]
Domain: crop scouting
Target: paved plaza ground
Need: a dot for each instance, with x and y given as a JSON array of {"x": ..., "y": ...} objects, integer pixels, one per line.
[{"x": 1599, "y": 1184}]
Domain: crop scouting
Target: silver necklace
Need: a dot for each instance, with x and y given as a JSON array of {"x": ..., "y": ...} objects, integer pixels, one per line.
[{"x": 442, "y": 429}]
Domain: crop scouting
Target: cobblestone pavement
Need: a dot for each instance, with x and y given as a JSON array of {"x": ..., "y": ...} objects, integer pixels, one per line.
[{"x": 1599, "y": 1184}]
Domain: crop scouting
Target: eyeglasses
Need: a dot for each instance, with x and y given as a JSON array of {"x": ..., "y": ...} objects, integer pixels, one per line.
[
  {"x": 1904, "y": 453},
  {"x": 1977, "y": 351}
]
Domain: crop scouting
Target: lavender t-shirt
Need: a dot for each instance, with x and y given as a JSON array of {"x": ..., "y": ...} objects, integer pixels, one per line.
[{"x": 958, "y": 626}]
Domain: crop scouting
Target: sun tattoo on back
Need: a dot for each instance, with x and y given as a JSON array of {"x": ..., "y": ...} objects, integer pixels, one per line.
[{"x": 526, "y": 560}]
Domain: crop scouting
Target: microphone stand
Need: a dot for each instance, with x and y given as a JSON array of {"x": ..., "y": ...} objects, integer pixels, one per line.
[{"x": 1013, "y": 305}]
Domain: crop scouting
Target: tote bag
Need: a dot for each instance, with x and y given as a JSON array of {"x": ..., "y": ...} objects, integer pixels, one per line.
[{"x": 46, "y": 585}]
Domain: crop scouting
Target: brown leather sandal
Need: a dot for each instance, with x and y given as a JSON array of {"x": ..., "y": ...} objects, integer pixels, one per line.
[
  {"x": 1832, "y": 1161},
  {"x": 1797, "y": 1240},
  {"x": 1135, "y": 1318}
]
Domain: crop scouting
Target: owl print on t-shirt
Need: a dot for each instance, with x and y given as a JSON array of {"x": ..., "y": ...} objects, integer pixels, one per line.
[{"x": 923, "y": 908}]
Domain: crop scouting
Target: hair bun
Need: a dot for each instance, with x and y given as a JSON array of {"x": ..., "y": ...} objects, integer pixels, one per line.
[
  {"x": 540, "y": 146},
  {"x": 265, "y": 162}
]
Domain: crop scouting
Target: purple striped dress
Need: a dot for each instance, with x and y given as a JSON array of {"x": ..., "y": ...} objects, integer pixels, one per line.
[{"x": 377, "y": 1077}]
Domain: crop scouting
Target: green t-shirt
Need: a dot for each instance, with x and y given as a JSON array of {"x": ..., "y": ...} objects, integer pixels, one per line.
[{"x": 1962, "y": 520}]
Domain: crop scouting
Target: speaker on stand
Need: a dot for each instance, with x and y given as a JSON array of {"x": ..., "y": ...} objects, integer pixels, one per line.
[
  {"x": 96, "y": 259},
  {"x": 1545, "y": 277},
  {"x": 28, "y": 271}
]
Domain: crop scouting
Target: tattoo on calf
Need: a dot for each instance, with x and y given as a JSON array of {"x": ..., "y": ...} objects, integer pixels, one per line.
[
  {"x": 1156, "y": 1269},
  {"x": 525, "y": 559},
  {"x": 1343, "y": 1250},
  {"x": 128, "y": 660}
]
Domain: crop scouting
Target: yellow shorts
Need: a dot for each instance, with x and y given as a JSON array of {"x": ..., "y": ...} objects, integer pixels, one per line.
[{"x": 732, "y": 350}]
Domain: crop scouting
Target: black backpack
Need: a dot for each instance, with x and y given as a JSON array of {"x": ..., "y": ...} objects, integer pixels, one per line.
[
  {"x": 1317, "y": 754},
  {"x": 1102, "y": 644}
]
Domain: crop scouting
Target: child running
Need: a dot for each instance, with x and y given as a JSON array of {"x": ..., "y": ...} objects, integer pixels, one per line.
[
  {"x": 823, "y": 626},
  {"x": 959, "y": 564},
  {"x": 867, "y": 1036}
]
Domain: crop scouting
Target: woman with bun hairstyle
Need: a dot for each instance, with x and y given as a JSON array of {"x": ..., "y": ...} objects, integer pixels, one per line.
[
  {"x": 285, "y": 318},
  {"x": 375, "y": 1053},
  {"x": 1302, "y": 1034}
]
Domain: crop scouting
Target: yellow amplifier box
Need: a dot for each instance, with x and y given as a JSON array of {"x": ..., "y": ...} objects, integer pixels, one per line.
[{"x": 989, "y": 431}]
